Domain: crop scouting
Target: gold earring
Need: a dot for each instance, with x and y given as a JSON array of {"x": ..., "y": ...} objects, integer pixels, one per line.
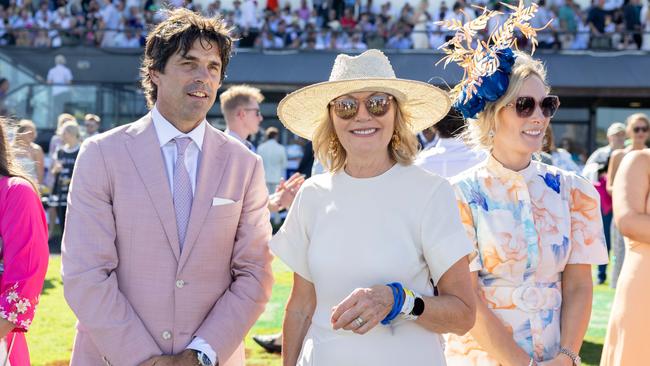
[
  {"x": 333, "y": 148},
  {"x": 396, "y": 142}
]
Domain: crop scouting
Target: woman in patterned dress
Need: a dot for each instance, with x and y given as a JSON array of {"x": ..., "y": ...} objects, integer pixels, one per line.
[
  {"x": 23, "y": 254},
  {"x": 537, "y": 230}
]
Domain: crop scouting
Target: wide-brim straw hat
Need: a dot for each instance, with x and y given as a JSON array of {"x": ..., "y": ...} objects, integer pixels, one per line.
[{"x": 423, "y": 104}]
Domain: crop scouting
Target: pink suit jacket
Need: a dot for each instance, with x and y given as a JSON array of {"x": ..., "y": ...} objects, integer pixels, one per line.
[{"x": 134, "y": 292}]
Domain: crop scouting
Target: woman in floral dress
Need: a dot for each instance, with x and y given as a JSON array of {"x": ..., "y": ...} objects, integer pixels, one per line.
[
  {"x": 537, "y": 230},
  {"x": 23, "y": 254}
]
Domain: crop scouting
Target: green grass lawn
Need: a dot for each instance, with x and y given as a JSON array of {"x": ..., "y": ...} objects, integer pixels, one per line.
[{"x": 51, "y": 335}]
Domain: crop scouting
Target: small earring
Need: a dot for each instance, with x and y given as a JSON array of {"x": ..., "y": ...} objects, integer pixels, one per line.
[
  {"x": 491, "y": 134},
  {"x": 333, "y": 148}
]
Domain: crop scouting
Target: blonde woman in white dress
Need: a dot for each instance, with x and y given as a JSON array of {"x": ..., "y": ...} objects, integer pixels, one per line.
[{"x": 367, "y": 240}]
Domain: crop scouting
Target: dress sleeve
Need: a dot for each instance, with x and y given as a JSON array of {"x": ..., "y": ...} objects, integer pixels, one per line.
[
  {"x": 443, "y": 238},
  {"x": 291, "y": 242},
  {"x": 587, "y": 235},
  {"x": 25, "y": 253},
  {"x": 467, "y": 220}
]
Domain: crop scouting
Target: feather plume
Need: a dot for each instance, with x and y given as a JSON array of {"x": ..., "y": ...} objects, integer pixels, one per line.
[{"x": 472, "y": 54}]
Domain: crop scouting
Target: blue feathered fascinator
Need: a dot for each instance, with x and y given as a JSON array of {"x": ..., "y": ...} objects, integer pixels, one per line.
[{"x": 487, "y": 64}]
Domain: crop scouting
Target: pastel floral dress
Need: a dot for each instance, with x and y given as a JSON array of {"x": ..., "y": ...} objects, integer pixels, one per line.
[
  {"x": 24, "y": 254},
  {"x": 526, "y": 226}
]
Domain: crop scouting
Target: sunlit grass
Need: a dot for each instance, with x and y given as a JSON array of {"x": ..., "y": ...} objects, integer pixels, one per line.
[{"x": 50, "y": 338}]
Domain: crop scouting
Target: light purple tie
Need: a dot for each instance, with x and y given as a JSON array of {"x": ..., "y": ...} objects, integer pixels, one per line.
[{"x": 182, "y": 189}]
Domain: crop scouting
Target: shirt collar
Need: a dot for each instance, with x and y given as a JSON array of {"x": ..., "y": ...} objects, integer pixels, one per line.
[
  {"x": 235, "y": 135},
  {"x": 499, "y": 170},
  {"x": 167, "y": 132}
]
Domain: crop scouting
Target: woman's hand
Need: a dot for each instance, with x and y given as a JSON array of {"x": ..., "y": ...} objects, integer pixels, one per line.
[
  {"x": 57, "y": 167},
  {"x": 287, "y": 190},
  {"x": 363, "y": 309}
]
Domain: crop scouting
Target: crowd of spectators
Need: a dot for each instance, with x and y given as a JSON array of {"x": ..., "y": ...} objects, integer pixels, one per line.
[{"x": 318, "y": 24}]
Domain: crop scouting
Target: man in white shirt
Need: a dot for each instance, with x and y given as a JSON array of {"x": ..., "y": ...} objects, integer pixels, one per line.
[
  {"x": 60, "y": 76},
  {"x": 450, "y": 156},
  {"x": 274, "y": 157}
]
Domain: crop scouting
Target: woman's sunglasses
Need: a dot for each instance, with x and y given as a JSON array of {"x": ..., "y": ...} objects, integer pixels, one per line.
[
  {"x": 377, "y": 105},
  {"x": 640, "y": 129},
  {"x": 525, "y": 106}
]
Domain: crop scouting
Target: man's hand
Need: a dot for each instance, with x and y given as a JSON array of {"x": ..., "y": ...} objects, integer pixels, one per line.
[{"x": 185, "y": 358}]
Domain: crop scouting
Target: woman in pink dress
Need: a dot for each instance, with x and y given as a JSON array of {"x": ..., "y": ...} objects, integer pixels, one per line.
[{"x": 23, "y": 255}]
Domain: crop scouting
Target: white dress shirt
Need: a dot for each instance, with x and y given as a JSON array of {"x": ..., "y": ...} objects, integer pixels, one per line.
[
  {"x": 59, "y": 75},
  {"x": 274, "y": 158},
  {"x": 166, "y": 133},
  {"x": 449, "y": 157}
]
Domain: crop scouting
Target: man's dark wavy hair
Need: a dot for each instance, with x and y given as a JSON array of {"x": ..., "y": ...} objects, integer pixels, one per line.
[{"x": 177, "y": 33}]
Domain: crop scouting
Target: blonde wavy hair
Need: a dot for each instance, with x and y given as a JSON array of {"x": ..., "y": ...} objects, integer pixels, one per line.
[
  {"x": 633, "y": 118},
  {"x": 324, "y": 135},
  {"x": 478, "y": 130}
]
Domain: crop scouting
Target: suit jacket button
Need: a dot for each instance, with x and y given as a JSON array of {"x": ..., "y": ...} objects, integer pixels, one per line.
[
  {"x": 166, "y": 335},
  {"x": 180, "y": 283}
]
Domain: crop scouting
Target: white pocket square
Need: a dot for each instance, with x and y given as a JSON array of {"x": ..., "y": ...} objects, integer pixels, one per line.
[{"x": 218, "y": 201}]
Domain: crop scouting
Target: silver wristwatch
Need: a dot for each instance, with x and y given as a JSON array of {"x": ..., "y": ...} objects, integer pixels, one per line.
[
  {"x": 572, "y": 355},
  {"x": 204, "y": 360}
]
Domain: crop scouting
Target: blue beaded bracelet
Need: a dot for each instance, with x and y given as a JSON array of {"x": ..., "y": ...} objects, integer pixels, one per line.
[{"x": 398, "y": 302}]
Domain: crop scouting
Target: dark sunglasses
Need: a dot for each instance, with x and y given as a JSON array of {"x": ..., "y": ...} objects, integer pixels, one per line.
[
  {"x": 640, "y": 129},
  {"x": 525, "y": 106},
  {"x": 377, "y": 105},
  {"x": 257, "y": 111}
]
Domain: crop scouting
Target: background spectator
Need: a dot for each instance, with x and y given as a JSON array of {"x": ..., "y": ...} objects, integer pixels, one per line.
[
  {"x": 27, "y": 153},
  {"x": 124, "y": 23},
  {"x": 62, "y": 168},
  {"x": 59, "y": 76}
]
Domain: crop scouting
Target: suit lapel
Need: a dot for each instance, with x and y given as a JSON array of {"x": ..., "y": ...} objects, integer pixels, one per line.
[
  {"x": 144, "y": 149},
  {"x": 211, "y": 170}
]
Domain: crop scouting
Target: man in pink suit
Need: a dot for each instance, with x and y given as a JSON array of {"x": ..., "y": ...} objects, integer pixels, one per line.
[{"x": 165, "y": 257}]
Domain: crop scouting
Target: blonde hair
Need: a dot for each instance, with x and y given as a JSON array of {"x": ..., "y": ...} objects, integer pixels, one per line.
[
  {"x": 61, "y": 119},
  {"x": 324, "y": 135},
  {"x": 24, "y": 124},
  {"x": 237, "y": 96},
  {"x": 478, "y": 130},
  {"x": 71, "y": 127},
  {"x": 633, "y": 118}
]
